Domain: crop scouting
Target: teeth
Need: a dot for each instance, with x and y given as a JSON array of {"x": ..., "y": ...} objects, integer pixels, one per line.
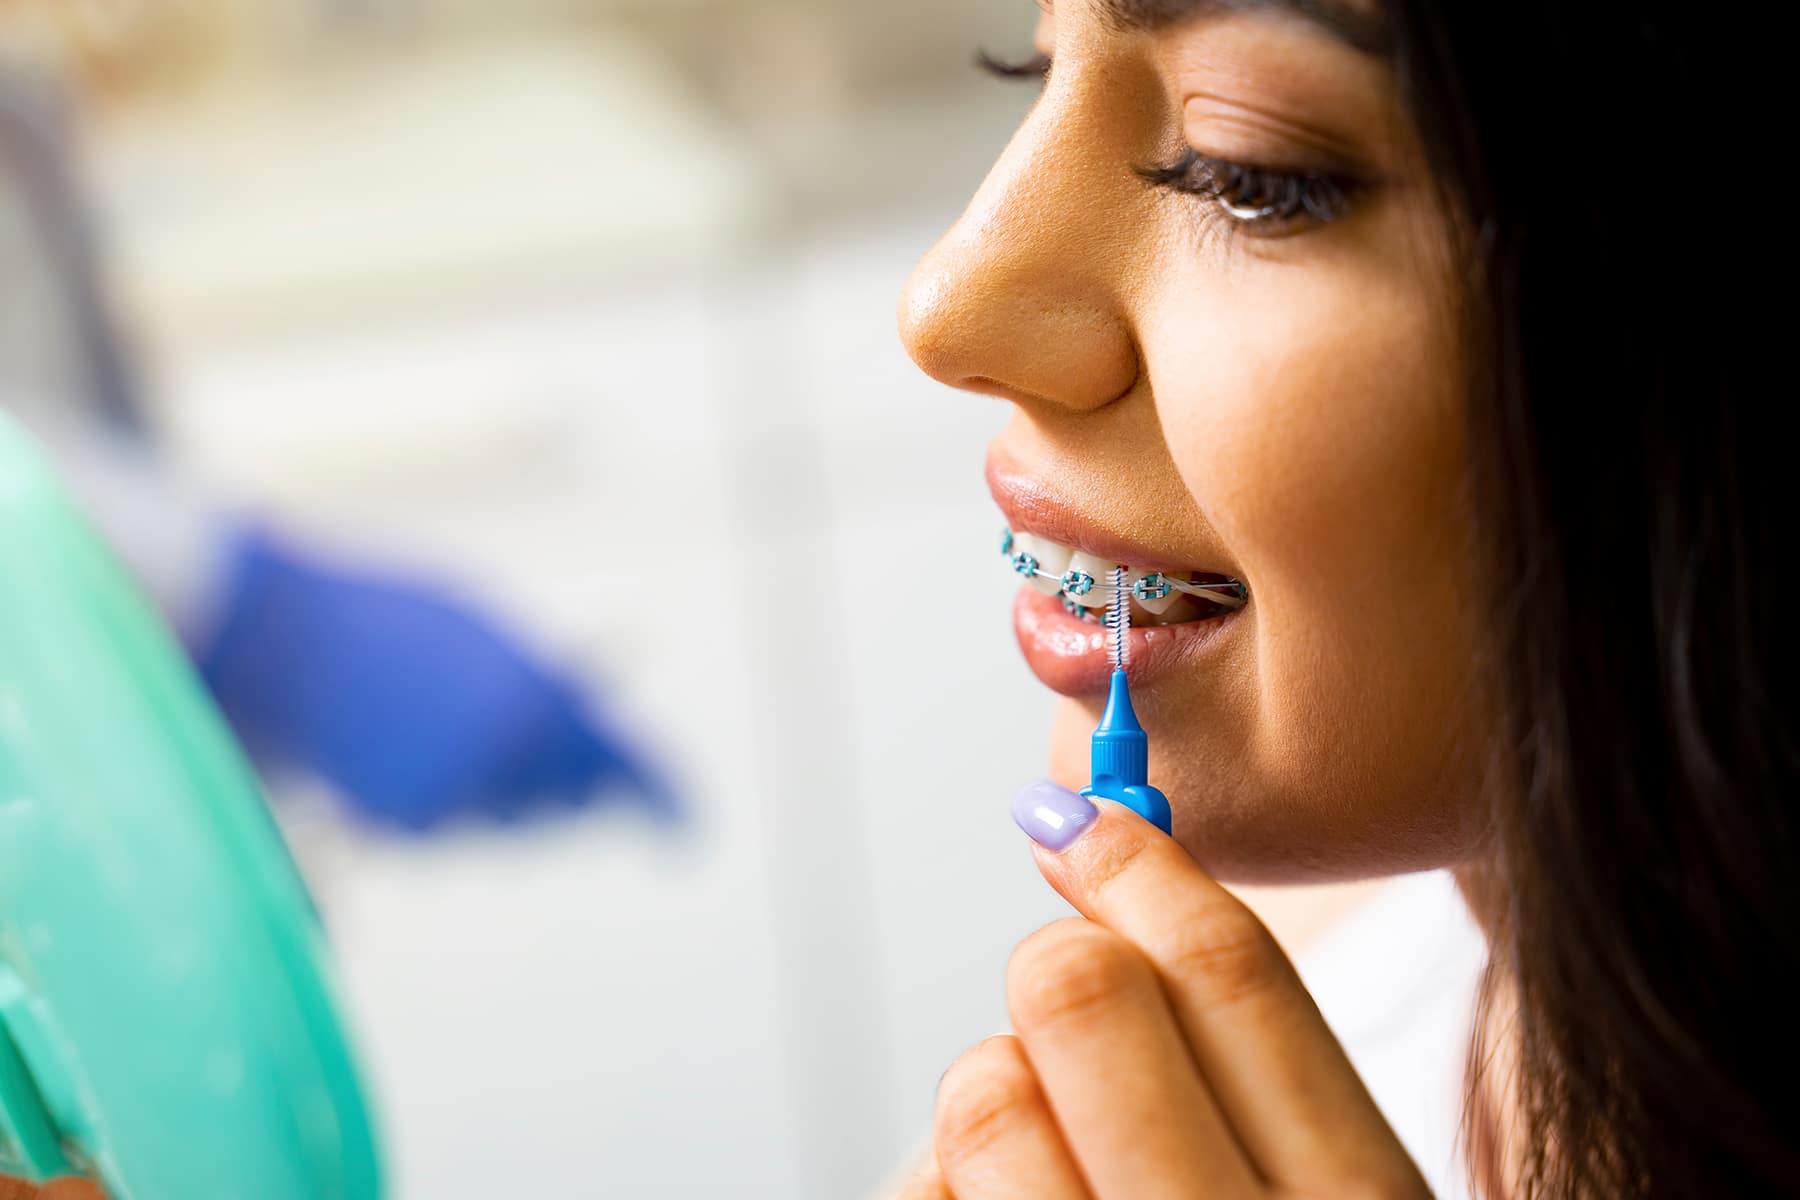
[
  {"x": 1213, "y": 590},
  {"x": 1183, "y": 609},
  {"x": 1156, "y": 598},
  {"x": 1145, "y": 585},
  {"x": 1071, "y": 607},
  {"x": 1050, "y": 558},
  {"x": 1101, "y": 570}
]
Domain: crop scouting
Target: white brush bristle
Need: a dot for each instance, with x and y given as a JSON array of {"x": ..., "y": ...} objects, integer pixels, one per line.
[{"x": 1118, "y": 620}]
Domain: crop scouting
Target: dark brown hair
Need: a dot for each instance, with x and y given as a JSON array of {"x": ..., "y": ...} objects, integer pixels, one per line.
[
  {"x": 1603, "y": 162},
  {"x": 1608, "y": 160}
]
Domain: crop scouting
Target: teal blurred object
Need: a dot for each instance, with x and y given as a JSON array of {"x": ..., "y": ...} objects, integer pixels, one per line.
[{"x": 167, "y": 1021}]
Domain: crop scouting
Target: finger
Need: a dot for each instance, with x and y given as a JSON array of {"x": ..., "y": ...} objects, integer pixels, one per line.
[
  {"x": 71, "y": 1187},
  {"x": 1115, "y": 1067},
  {"x": 1279, "y": 1075},
  {"x": 923, "y": 1180},
  {"x": 996, "y": 1139}
]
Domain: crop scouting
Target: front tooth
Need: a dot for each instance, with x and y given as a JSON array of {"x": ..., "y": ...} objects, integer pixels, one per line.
[
  {"x": 1149, "y": 603},
  {"x": 1050, "y": 558},
  {"x": 1101, "y": 570}
]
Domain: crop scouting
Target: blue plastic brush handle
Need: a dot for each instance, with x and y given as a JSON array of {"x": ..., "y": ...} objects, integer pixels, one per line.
[
  {"x": 1121, "y": 759},
  {"x": 1142, "y": 799}
]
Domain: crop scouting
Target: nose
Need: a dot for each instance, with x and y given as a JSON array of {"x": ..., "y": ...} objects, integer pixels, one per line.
[{"x": 1023, "y": 298}]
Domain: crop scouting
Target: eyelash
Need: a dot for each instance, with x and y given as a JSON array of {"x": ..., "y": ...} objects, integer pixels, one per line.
[
  {"x": 1035, "y": 67},
  {"x": 1260, "y": 199}
]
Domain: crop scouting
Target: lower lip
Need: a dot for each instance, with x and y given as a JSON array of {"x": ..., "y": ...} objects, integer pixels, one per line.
[{"x": 1071, "y": 655}]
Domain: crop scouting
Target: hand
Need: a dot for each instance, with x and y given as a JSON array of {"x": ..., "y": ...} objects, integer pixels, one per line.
[
  {"x": 68, "y": 1188},
  {"x": 1165, "y": 1046},
  {"x": 419, "y": 708}
]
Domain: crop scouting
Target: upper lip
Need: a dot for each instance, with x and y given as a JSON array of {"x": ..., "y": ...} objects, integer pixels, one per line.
[{"x": 1032, "y": 507}]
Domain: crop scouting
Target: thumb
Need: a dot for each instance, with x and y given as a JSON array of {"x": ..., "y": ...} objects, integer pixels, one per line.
[{"x": 68, "y": 1188}]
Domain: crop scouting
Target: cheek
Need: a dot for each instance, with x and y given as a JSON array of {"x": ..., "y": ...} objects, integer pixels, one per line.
[
  {"x": 1315, "y": 416},
  {"x": 1319, "y": 430},
  {"x": 1071, "y": 743}
]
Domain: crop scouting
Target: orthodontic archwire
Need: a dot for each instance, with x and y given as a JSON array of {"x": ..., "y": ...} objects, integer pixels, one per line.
[{"x": 1153, "y": 585}]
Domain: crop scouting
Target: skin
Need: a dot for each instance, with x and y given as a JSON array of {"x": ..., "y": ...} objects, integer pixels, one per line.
[
  {"x": 1287, "y": 407},
  {"x": 56, "y": 1189},
  {"x": 1164, "y": 1048},
  {"x": 1288, "y": 411}
]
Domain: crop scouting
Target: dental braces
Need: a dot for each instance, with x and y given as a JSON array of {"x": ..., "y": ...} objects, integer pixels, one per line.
[{"x": 1152, "y": 585}]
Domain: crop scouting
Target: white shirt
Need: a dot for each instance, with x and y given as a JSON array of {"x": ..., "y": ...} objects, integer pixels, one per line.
[{"x": 1397, "y": 980}]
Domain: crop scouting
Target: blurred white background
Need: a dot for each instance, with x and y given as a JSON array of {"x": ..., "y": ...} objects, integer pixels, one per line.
[{"x": 588, "y": 306}]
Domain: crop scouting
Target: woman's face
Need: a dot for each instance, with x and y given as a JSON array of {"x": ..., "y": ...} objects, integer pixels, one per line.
[{"x": 1272, "y": 394}]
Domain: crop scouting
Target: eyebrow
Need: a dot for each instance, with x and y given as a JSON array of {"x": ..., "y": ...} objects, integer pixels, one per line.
[{"x": 1362, "y": 31}]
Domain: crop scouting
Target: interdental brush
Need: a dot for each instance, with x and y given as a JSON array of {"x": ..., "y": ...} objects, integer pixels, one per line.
[{"x": 1120, "y": 759}]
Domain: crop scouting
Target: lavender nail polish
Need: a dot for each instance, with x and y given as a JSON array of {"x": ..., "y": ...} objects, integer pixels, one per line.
[{"x": 1053, "y": 816}]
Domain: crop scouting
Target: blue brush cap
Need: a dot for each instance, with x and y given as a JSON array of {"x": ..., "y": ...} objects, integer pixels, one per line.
[
  {"x": 1120, "y": 759},
  {"x": 1121, "y": 748}
]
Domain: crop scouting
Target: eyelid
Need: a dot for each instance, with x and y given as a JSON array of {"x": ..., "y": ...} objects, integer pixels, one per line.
[
  {"x": 1288, "y": 195},
  {"x": 1248, "y": 120},
  {"x": 1035, "y": 67},
  {"x": 1291, "y": 194}
]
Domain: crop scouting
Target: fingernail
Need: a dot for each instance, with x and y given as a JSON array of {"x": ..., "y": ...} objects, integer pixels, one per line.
[{"x": 1052, "y": 816}]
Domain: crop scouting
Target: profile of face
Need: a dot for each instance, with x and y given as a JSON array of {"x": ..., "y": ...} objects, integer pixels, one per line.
[{"x": 1212, "y": 276}]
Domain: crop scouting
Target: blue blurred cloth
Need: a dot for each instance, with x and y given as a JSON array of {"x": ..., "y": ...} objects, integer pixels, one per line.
[{"x": 417, "y": 708}]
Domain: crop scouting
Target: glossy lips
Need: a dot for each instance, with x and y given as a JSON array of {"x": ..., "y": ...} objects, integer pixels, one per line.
[
  {"x": 1173, "y": 616},
  {"x": 1070, "y": 655},
  {"x": 1067, "y": 649}
]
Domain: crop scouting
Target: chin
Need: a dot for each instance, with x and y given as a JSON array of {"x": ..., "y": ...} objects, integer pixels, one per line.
[
  {"x": 1244, "y": 831},
  {"x": 1071, "y": 736}
]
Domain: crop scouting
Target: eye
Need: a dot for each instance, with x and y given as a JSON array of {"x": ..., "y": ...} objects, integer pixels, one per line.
[
  {"x": 1036, "y": 67},
  {"x": 1260, "y": 199},
  {"x": 1264, "y": 200}
]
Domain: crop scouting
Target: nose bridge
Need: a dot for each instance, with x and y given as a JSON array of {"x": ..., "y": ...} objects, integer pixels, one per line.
[{"x": 1023, "y": 296}]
